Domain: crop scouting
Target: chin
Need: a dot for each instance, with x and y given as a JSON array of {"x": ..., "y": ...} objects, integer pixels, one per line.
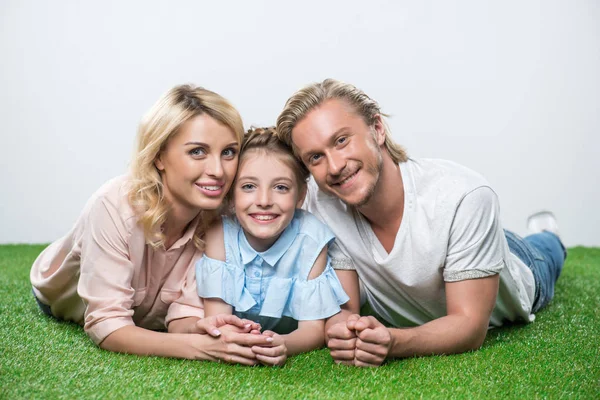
[{"x": 210, "y": 205}]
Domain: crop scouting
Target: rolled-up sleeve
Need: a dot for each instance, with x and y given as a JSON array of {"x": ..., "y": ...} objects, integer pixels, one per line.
[
  {"x": 475, "y": 244},
  {"x": 105, "y": 284}
]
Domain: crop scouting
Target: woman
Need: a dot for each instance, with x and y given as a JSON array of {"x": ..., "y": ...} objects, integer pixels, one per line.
[{"x": 126, "y": 269}]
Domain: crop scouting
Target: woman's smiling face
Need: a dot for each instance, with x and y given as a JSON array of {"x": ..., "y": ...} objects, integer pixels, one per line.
[{"x": 198, "y": 164}]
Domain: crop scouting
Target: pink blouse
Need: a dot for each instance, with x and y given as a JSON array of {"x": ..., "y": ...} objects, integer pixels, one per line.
[{"x": 104, "y": 276}]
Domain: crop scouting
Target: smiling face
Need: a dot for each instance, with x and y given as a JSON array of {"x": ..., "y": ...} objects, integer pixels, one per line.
[
  {"x": 266, "y": 195},
  {"x": 198, "y": 165},
  {"x": 341, "y": 151}
]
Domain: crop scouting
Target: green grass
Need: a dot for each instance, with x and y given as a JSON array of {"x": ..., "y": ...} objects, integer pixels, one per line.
[{"x": 556, "y": 356}]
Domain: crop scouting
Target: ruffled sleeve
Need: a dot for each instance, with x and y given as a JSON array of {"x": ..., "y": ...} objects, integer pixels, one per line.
[
  {"x": 305, "y": 300},
  {"x": 217, "y": 279}
]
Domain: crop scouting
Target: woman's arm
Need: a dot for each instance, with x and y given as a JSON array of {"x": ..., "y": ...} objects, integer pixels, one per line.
[{"x": 231, "y": 347}]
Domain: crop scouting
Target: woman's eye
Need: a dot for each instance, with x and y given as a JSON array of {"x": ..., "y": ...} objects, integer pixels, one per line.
[
  {"x": 229, "y": 153},
  {"x": 281, "y": 188},
  {"x": 198, "y": 151},
  {"x": 247, "y": 186}
]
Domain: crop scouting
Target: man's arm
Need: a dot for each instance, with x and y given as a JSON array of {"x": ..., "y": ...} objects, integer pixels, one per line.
[
  {"x": 340, "y": 340},
  {"x": 469, "y": 307}
]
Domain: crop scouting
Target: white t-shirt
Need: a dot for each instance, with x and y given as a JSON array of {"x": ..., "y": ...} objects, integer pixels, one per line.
[{"x": 450, "y": 232}]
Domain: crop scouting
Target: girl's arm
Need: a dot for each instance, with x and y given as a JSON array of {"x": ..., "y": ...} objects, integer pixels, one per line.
[{"x": 310, "y": 335}]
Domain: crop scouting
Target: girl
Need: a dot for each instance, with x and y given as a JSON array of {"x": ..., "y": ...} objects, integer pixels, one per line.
[
  {"x": 269, "y": 263},
  {"x": 126, "y": 268}
]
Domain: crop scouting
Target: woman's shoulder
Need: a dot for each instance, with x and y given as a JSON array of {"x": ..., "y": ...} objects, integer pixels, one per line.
[{"x": 113, "y": 197}]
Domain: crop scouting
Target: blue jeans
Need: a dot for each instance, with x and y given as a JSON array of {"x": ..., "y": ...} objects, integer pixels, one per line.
[
  {"x": 545, "y": 256},
  {"x": 43, "y": 307}
]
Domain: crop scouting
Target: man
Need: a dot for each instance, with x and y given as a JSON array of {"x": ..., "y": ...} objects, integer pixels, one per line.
[{"x": 423, "y": 237}]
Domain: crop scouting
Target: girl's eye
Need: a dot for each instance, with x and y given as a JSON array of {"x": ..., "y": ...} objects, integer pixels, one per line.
[
  {"x": 281, "y": 188},
  {"x": 247, "y": 186},
  {"x": 229, "y": 153},
  {"x": 197, "y": 152}
]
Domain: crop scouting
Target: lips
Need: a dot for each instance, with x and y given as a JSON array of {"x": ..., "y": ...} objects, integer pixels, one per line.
[
  {"x": 211, "y": 189},
  {"x": 264, "y": 218},
  {"x": 346, "y": 181}
]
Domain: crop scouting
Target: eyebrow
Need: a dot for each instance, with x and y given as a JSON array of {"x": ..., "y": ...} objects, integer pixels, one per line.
[
  {"x": 254, "y": 178},
  {"x": 232, "y": 144},
  {"x": 331, "y": 142}
]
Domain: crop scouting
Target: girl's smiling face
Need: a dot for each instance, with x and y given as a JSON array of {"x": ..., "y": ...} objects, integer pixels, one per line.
[{"x": 266, "y": 195}]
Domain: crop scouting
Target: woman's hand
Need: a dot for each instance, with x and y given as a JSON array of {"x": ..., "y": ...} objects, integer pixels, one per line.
[
  {"x": 275, "y": 353},
  {"x": 233, "y": 345},
  {"x": 211, "y": 325}
]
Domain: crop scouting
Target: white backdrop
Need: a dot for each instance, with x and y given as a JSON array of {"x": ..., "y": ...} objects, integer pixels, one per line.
[{"x": 510, "y": 89}]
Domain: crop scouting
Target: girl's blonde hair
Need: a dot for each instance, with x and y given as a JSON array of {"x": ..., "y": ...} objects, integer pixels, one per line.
[
  {"x": 158, "y": 126},
  {"x": 267, "y": 141},
  {"x": 312, "y": 96}
]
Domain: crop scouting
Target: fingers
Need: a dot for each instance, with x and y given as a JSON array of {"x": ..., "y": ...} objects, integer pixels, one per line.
[
  {"x": 372, "y": 346},
  {"x": 254, "y": 326},
  {"x": 340, "y": 331},
  {"x": 272, "y": 361},
  {"x": 205, "y": 326},
  {"x": 248, "y": 340},
  {"x": 380, "y": 336},
  {"x": 351, "y": 322},
  {"x": 235, "y": 354},
  {"x": 272, "y": 352},
  {"x": 342, "y": 350},
  {"x": 366, "y": 323},
  {"x": 369, "y": 353}
]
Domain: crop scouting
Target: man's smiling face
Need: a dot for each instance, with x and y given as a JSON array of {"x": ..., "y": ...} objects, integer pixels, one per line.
[{"x": 341, "y": 151}]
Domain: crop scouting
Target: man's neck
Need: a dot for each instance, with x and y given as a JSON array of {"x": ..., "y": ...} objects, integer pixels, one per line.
[{"x": 385, "y": 209}]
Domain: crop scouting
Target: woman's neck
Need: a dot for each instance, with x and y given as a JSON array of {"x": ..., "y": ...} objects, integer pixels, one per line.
[{"x": 178, "y": 219}]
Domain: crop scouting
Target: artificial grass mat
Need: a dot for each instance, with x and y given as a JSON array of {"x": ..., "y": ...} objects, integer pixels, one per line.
[{"x": 558, "y": 355}]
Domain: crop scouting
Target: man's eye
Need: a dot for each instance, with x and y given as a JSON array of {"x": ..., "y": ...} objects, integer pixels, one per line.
[
  {"x": 198, "y": 151},
  {"x": 342, "y": 140},
  {"x": 314, "y": 158}
]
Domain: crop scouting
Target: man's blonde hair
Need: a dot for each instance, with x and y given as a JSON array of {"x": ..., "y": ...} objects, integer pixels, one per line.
[
  {"x": 312, "y": 96},
  {"x": 158, "y": 126}
]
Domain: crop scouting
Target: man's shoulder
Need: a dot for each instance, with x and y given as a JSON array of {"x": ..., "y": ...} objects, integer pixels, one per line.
[{"x": 441, "y": 176}]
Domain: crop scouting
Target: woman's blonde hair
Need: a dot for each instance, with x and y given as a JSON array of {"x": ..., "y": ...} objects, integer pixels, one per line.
[
  {"x": 312, "y": 96},
  {"x": 158, "y": 126}
]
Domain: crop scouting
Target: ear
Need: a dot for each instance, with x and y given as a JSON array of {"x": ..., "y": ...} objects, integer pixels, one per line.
[
  {"x": 158, "y": 162},
  {"x": 301, "y": 195},
  {"x": 379, "y": 130}
]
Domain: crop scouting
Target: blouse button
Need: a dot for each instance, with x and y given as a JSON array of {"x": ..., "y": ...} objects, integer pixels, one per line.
[{"x": 257, "y": 274}]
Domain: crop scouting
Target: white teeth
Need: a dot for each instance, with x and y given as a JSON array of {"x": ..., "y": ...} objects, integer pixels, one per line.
[
  {"x": 210, "y": 187},
  {"x": 264, "y": 217},
  {"x": 346, "y": 180}
]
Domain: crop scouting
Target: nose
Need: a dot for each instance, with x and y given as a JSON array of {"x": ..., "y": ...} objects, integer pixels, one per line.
[
  {"x": 263, "y": 197},
  {"x": 214, "y": 167},
  {"x": 335, "y": 163}
]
